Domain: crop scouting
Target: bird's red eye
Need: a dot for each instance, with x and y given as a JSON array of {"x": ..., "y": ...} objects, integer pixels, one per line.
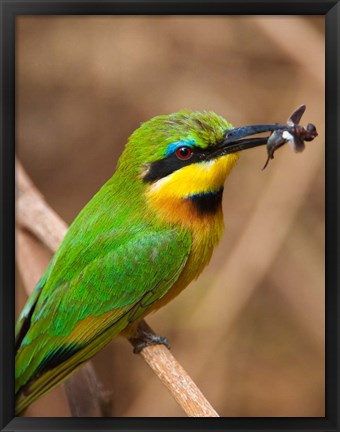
[{"x": 184, "y": 153}]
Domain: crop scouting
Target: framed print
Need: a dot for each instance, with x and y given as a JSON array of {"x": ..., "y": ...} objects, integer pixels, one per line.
[{"x": 127, "y": 185}]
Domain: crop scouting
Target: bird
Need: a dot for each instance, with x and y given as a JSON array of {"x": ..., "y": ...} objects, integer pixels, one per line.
[{"x": 144, "y": 236}]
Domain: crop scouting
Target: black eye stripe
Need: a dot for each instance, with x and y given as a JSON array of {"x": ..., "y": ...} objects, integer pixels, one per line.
[{"x": 171, "y": 163}]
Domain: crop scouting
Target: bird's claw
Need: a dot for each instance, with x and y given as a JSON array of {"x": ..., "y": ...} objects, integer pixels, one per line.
[{"x": 145, "y": 337}]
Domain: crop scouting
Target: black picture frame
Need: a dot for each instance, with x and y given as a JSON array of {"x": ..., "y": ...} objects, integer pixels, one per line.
[{"x": 9, "y": 10}]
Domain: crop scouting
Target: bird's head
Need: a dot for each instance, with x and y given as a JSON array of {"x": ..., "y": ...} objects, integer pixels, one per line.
[
  {"x": 183, "y": 159},
  {"x": 177, "y": 148}
]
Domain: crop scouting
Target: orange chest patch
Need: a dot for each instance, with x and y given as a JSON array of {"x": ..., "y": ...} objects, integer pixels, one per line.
[{"x": 206, "y": 231}]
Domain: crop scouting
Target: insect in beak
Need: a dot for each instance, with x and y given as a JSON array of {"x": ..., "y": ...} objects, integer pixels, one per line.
[{"x": 291, "y": 132}]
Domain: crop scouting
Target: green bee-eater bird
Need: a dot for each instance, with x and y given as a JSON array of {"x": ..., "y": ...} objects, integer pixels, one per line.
[{"x": 147, "y": 233}]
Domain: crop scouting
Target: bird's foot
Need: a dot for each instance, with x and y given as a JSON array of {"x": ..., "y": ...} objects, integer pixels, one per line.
[{"x": 144, "y": 337}]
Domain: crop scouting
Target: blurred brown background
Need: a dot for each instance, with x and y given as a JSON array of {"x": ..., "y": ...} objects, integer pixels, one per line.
[{"x": 250, "y": 331}]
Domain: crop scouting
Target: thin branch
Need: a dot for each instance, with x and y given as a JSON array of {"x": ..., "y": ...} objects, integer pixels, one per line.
[
  {"x": 86, "y": 394},
  {"x": 176, "y": 379},
  {"x": 34, "y": 214}
]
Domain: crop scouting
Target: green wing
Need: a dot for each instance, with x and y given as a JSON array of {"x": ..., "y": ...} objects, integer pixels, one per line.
[
  {"x": 78, "y": 312},
  {"x": 25, "y": 315}
]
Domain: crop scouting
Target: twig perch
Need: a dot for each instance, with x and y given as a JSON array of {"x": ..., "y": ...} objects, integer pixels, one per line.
[{"x": 34, "y": 215}]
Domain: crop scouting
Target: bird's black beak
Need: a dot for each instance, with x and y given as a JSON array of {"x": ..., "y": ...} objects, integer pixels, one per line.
[{"x": 237, "y": 139}]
